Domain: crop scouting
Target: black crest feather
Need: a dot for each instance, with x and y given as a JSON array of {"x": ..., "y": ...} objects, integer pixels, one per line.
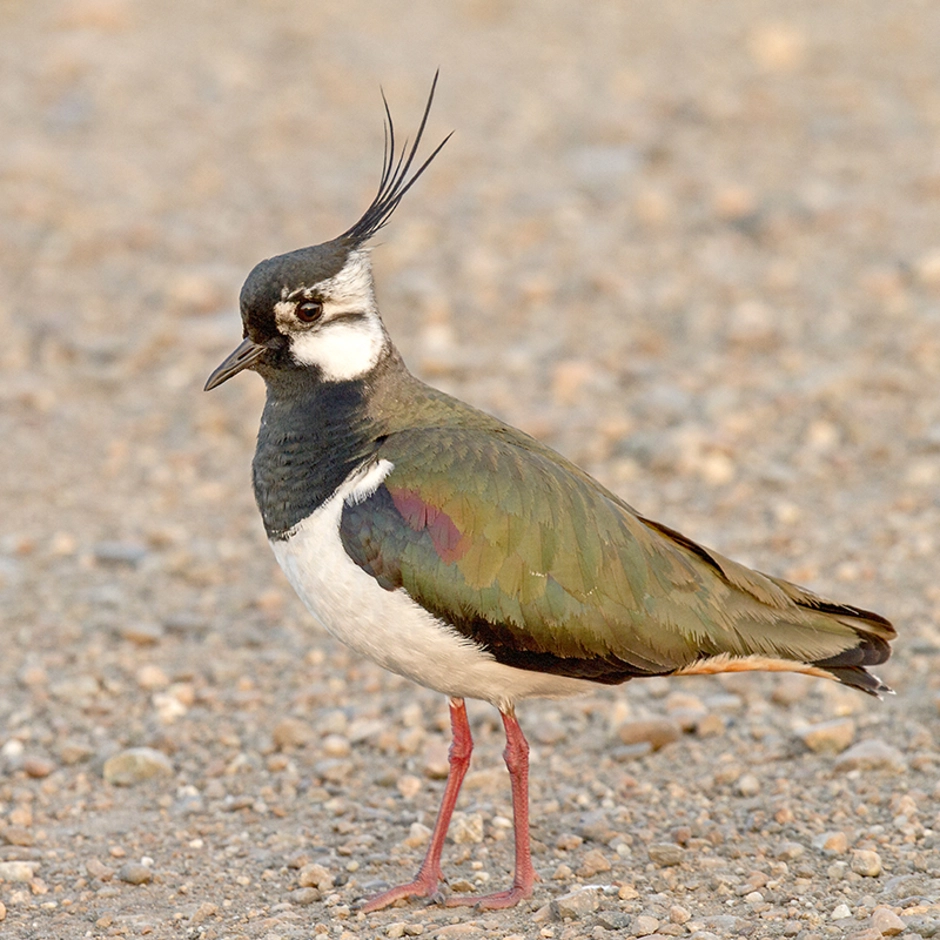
[{"x": 395, "y": 181}]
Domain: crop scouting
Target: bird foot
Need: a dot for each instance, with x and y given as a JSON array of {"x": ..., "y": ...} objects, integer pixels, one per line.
[
  {"x": 421, "y": 887},
  {"x": 491, "y": 902}
]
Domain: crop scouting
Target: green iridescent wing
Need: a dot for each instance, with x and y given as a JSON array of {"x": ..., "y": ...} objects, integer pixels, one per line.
[{"x": 522, "y": 551}]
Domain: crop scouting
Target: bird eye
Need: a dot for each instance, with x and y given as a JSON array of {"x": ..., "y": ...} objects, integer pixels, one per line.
[{"x": 309, "y": 311}]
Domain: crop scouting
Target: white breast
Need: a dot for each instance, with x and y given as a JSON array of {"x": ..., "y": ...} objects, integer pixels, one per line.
[{"x": 388, "y": 626}]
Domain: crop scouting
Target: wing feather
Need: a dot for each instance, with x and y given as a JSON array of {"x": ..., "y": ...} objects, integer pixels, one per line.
[{"x": 523, "y": 552}]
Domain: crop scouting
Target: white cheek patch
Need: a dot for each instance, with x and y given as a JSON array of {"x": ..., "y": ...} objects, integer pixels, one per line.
[{"x": 343, "y": 349}]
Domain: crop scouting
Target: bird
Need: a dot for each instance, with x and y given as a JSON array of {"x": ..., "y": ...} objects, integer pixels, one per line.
[{"x": 463, "y": 554}]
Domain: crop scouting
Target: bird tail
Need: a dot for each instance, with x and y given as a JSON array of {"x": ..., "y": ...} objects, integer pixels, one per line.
[
  {"x": 874, "y": 634},
  {"x": 781, "y": 626}
]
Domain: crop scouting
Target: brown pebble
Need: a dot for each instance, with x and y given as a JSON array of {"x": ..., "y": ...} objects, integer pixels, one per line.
[
  {"x": 135, "y": 874},
  {"x": 832, "y": 843},
  {"x": 666, "y": 854},
  {"x": 37, "y": 767},
  {"x": 97, "y": 869},
  {"x": 829, "y": 737},
  {"x": 315, "y": 876},
  {"x": 305, "y": 896},
  {"x": 873, "y": 754},
  {"x": 292, "y": 732},
  {"x": 74, "y": 752},
  {"x": 135, "y": 765},
  {"x": 435, "y": 761},
  {"x": 142, "y": 634},
  {"x": 678, "y": 914},
  {"x": 466, "y": 828},
  {"x": 710, "y": 726},
  {"x": 3, "y": 911},
  {"x": 886, "y": 922},
  {"x": 18, "y": 835},
  {"x": 866, "y": 863},
  {"x": 657, "y": 732},
  {"x": 205, "y": 910},
  {"x": 593, "y": 863}
]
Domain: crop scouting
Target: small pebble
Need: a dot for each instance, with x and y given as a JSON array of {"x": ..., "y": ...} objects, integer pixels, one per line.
[
  {"x": 291, "y": 733},
  {"x": 119, "y": 553},
  {"x": 829, "y": 737},
  {"x": 336, "y": 745},
  {"x": 97, "y": 869},
  {"x": 418, "y": 835},
  {"x": 666, "y": 854},
  {"x": 409, "y": 786},
  {"x": 469, "y": 930},
  {"x": 304, "y": 896},
  {"x": 644, "y": 925},
  {"x": 866, "y": 863},
  {"x": 657, "y": 732},
  {"x": 593, "y": 863},
  {"x": 886, "y": 922},
  {"x": 74, "y": 752},
  {"x": 679, "y": 915},
  {"x": 466, "y": 828},
  {"x": 136, "y": 765},
  {"x": 316, "y": 876},
  {"x": 141, "y": 633},
  {"x": 18, "y": 871},
  {"x": 135, "y": 873},
  {"x": 840, "y": 912},
  {"x": 873, "y": 754},
  {"x": 748, "y": 785},
  {"x": 18, "y": 835},
  {"x": 832, "y": 843},
  {"x": 205, "y": 910},
  {"x": 435, "y": 763},
  {"x": 788, "y": 851},
  {"x": 151, "y": 677},
  {"x": 613, "y": 920},
  {"x": 575, "y": 905}
]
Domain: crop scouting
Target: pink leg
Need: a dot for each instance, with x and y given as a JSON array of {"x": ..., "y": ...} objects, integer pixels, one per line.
[
  {"x": 426, "y": 881},
  {"x": 517, "y": 761}
]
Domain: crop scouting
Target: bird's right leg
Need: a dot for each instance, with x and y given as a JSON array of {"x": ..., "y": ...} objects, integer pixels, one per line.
[{"x": 429, "y": 875}]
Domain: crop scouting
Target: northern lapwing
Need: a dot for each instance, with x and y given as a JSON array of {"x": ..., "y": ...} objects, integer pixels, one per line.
[{"x": 469, "y": 557}]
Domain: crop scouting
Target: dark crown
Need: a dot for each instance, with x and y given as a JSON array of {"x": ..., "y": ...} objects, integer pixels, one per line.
[{"x": 307, "y": 266}]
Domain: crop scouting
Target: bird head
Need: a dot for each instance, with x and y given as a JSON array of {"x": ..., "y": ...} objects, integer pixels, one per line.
[{"x": 314, "y": 308}]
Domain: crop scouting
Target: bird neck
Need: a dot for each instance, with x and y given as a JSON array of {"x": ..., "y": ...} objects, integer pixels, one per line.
[{"x": 313, "y": 435}]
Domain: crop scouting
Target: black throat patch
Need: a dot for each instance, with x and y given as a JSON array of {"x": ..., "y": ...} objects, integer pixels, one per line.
[{"x": 313, "y": 435}]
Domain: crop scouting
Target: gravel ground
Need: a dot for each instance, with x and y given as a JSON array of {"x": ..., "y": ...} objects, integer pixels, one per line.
[{"x": 696, "y": 247}]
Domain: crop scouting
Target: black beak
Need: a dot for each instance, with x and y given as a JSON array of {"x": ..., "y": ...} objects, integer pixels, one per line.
[{"x": 245, "y": 356}]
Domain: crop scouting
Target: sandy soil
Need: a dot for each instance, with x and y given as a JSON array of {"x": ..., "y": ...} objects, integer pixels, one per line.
[{"x": 696, "y": 247}]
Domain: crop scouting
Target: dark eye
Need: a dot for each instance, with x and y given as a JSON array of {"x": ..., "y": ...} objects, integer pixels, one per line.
[{"x": 309, "y": 311}]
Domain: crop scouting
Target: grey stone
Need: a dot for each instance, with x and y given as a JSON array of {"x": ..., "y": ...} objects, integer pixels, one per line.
[
  {"x": 873, "y": 754},
  {"x": 613, "y": 920},
  {"x": 666, "y": 854},
  {"x": 136, "y": 765},
  {"x": 575, "y": 905},
  {"x": 119, "y": 553},
  {"x": 135, "y": 874}
]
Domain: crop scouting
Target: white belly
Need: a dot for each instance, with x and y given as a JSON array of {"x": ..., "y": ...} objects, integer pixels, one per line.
[{"x": 388, "y": 626}]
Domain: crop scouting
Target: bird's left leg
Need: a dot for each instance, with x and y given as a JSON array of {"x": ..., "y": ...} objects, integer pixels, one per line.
[
  {"x": 516, "y": 756},
  {"x": 429, "y": 875}
]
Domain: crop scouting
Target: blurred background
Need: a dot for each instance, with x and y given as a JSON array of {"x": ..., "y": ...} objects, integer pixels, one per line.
[{"x": 695, "y": 247}]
